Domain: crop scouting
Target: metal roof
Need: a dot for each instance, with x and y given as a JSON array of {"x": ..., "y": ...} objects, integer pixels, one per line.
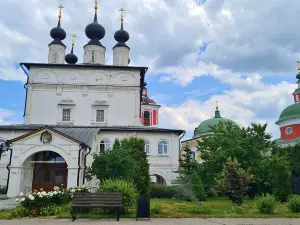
[
  {"x": 85, "y": 134},
  {"x": 99, "y": 66}
]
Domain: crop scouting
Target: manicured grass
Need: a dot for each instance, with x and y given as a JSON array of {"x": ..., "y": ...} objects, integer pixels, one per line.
[{"x": 168, "y": 208}]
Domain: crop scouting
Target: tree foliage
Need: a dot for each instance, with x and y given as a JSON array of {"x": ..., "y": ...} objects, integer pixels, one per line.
[
  {"x": 135, "y": 148},
  {"x": 281, "y": 177},
  {"x": 188, "y": 164},
  {"x": 251, "y": 146},
  {"x": 197, "y": 187},
  {"x": 235, "y": 181},
  {"x": 126, "y": 160}
]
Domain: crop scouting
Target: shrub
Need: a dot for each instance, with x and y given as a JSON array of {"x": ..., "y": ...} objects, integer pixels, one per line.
[
  {"x": 266, "y": 204},
  {"x": 197, "y": 187},
  {"x": 235, "y": 181},
  {"x": 162, "y": 191},
  {"x": 42, "y": 198},
  {"x": 281, "y": 175},
  {"x": 294, "y": 203},
  {"x": 51, "y": 210},
  {"x": 156, "y": 209},
  {"x": 127, "y": 188}
]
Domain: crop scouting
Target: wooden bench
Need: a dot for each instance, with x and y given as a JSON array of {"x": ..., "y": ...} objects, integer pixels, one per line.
[{"x": 87, "y": 200}]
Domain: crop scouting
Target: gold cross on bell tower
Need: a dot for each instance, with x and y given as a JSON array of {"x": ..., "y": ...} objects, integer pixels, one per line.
[
  {"x": 96, "y": 5},
  {"x": 217, "y": 107},
  {"x": 122, "y": 14},
  {"x": 60, "y": 10},
  {"x": 73, "y": 42}
]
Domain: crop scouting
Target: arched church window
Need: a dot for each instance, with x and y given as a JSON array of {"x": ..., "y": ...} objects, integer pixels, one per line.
[
  {"x": 147, "y": 115},
  {"x": 163, "y": 148},
  {"x": 147, "y": 147},
  {"x": 105, "y": 145}
]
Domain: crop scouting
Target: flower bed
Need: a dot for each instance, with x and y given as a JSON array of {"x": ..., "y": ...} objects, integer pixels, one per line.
[{"x": 33, "y": 201}]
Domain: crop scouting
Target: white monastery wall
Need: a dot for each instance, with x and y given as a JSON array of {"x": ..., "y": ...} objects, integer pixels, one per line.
[
  {"x": 162, "y": 165},
  {"x": 21, "y": 169},
  {"x": 7, "y": 135},
  {"x": 83, "y": 88}
]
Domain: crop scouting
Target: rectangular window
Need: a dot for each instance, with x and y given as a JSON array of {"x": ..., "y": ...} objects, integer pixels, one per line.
[
  {"x": 66, "y": 115},
  {"x": 100, "y": 116},
  {"x": 297, "y": 98},
  {"x": 93, "y": 55}
]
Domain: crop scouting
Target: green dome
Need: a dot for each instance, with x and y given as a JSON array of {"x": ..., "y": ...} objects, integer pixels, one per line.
[
  {"x": 290, "y": 112},
  {"x": 205, "y": 126}
]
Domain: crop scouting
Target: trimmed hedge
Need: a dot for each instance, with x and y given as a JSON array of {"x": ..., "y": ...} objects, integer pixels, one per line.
[{"x": 162, "y": 191}]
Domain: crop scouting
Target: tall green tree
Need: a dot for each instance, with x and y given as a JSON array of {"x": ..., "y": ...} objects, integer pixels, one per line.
[
  {"x": 135, "y": 148},
  {"x": 126, "y": 160},
  {"x": 187, "y": 163},
  {"x": 251, "y": 146},
  {"x": 235, "y": 181},
  {"x": 281, "y": 177}
]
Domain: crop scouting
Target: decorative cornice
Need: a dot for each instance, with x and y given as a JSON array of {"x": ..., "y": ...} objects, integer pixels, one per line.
[{"x": 74, "y": 87}]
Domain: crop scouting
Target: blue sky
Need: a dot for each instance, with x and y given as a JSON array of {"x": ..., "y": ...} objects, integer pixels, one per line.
[{"x": 198, "y": 52}]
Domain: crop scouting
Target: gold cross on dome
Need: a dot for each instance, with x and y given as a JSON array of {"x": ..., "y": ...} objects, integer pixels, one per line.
[
  {"x": 96, "y": 5},
  {"x": 122, "y": 14},
  {"x": 73, "y": 36},
  {"x": 217, "y": 107},
  {"x": 60, "y": 10}
]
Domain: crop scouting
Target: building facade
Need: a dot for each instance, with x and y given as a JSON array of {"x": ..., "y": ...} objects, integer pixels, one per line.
[
  {"x": 74, "y": 110},
  {"x": 201, "y": 131},
  {"x": 289, "y": 119}
]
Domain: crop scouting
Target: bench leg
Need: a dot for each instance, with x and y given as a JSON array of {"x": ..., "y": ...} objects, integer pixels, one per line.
[
  {"x": 118, "y": 214},
  {"x": 73, "y": 214}
]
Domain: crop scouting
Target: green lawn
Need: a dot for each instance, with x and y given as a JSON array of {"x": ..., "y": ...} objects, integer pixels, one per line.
[{"x": 168, "y": 208}]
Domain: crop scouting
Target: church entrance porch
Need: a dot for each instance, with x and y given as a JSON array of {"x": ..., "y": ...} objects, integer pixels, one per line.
[{"x": 49, "y": 169}]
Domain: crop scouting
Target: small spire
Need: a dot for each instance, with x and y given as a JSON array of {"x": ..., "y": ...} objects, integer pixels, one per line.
[
  {"x": 59, "y": 14},
  {"x": 122, "y": 17},
  {"x": 73, "y": 42},
  {"x": 217, "y": 112},
  {"x": 96, "y": 11}
]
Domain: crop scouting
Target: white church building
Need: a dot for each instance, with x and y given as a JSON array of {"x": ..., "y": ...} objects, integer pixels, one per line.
[{"x": 73, "y": 110}]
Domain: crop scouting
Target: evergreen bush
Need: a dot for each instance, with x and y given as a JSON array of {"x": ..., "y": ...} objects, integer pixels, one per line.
[
  {"x": 197, "y": 187},
  {"x": 281, "y": 178},
  {"x": 162, "y": 191},
  {"x": 266, "y": 204},
  {"x": 235, "y": 181},
  {"x": 294, "y": 203},
  {"x": 127, "y": 188}
]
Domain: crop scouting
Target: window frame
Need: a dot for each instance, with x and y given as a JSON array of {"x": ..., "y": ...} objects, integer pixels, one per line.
[
  {"x": 163, "y": 147},
  {"x": 99, "y": 105},
  {"x": 106, "y": 142},
  {"x": 62, "y": 105},
  {"x": 147, "y": 145},
  {"x": 66, "y": 118},
  {"x": 103, "y": 116}
]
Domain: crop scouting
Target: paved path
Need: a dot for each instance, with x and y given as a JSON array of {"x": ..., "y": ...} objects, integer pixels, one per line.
[
  {"x": 8, "y": 204},
  {"x": 211, "y": 221}
]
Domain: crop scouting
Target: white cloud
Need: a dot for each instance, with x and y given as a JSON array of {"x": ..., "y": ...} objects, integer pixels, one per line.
[
  {"x": 247, "y": 40},
  {"x": 8, "y": 117}
]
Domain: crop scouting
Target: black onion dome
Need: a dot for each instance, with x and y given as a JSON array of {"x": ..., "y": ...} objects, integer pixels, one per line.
[
  {"x": 71, "y": 58},
  {"x": 58, "y": 34},
  {"x": 121, "y": 35},
  {"x": 95, "y": 30}
]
